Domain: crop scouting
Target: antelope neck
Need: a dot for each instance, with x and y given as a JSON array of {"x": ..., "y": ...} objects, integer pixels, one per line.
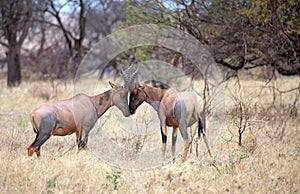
[
  {"x": 102, "y": 102},
  {"x": 153, "y": 94}
]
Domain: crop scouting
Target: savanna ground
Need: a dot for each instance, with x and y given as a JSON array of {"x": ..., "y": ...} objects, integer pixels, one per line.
[{"x": 268, "y": 161}]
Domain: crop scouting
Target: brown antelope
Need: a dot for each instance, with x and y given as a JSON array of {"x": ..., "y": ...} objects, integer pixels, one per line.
[
  {"x": 174, "y": 108},
  {"x": 75, "y": 115},
  {"x": 78, "y": 114}
]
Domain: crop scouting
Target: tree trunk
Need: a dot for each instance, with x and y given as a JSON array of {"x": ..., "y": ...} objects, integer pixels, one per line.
[{"x": 13, "y": 66}]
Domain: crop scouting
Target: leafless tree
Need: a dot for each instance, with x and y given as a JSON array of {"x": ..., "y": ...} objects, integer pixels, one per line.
[
  {"x": 15, "y": 21},
  {"x": 102, "y": 16}
]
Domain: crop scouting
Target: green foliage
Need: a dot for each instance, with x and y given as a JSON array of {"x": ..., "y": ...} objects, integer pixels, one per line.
[
  {"x": 244, "y": 155},
  {"x": 282, "y": 155},
  {"x": 228, "y": 60},
  {"x": 22, "y": 124},
  {"x": 297, "y": 154},
  {"x": 113, "y": 178},
  {"x": 148, "y": 12},
  {"x": 138, "y": 145},
  {"x": 215, "y": 164},
  {"x": 277, "y": 21},
  {"x": 235, "y": 29},
  {"x": 51, "y": 184},
  {"x": 236, "y": 158},
  {"x": 278, "y": 15},
  {"x": 231, "y": 163}
]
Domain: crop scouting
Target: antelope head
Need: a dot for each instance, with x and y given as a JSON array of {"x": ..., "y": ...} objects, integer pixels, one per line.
[
  {"x": 119, "y": 98},
  {"x": 137, "y": 97}
]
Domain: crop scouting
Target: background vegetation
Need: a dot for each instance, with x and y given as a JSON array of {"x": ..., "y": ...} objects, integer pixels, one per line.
[{"x": 49, "y": 38}]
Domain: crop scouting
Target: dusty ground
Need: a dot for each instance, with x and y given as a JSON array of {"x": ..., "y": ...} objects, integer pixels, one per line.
[{"x": 267, "y": 162}]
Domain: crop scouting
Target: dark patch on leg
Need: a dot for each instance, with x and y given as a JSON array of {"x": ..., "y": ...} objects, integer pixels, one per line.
[
  {"x": 174, "y": 136},
  {"x": 81, "y": 144},
  {"x": 174, "y": 139},
  {"x": 48, "y": 123},
  {"x": 40, "y": 140},
  {"x": 200, "y": 127},
  {"x": 83, "y": 135},
  {"x": 173, "y": 112},
  {"x": 79, "y": 141},
  {"x": 163, "y": 136}
]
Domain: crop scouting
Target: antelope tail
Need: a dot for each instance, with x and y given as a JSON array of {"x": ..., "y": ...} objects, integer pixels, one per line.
[
  {"x": 200, "y": 127},
  {"x": 35, "y": 129}
]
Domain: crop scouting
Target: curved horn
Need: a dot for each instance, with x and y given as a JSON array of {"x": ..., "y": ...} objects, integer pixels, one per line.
[
  {"x": 134, "y": 74},
  {"x": 130, "y": 66},
  {"x": 122, "y": 70},
  {"x": 132, "y": 77},
  {"x": 129, "y": 76}
]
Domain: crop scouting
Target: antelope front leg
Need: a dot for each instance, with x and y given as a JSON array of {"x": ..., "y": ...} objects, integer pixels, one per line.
[
  {"x": 163, "y": 130},
  {"x": 82, "y": 140},
  {"x": 174, "y": 139}
]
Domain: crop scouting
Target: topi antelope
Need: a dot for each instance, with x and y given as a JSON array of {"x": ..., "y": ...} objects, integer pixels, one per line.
[
  {"x": 79, "y": 114},
  {"x": 75, "y": 115},
  {"x": 174, "y": 108}
]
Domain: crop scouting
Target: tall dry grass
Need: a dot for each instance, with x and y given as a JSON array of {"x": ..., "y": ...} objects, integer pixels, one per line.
[{"x": 267, "y": 161}]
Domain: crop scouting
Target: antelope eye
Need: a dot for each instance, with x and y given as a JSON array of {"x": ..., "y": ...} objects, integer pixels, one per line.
[
  {"x": 134, "y": 92},
  {"x": 133, "y": 95}
]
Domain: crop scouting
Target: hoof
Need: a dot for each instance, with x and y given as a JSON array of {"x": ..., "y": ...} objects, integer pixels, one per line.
[{"x": 31, "y": 151}]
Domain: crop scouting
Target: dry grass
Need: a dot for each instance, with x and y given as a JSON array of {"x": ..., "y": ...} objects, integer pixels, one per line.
[{"x": 267, "y": 162}]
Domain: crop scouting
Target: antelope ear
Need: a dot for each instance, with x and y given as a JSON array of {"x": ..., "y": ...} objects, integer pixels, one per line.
[
  {"x": 141, "y": 86},
  {"x": 113, "y": 85}
]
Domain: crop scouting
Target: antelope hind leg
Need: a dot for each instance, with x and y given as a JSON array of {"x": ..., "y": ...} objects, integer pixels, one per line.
[
  {"x": 197, "y": 144},
  {"x": 174, "y": 139},
  {"x": 206, "y": 143},
  {"x": 187, "y": 145},
  {"x": 163, "y": 130},
  {"x": 31, "y": 150}
]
